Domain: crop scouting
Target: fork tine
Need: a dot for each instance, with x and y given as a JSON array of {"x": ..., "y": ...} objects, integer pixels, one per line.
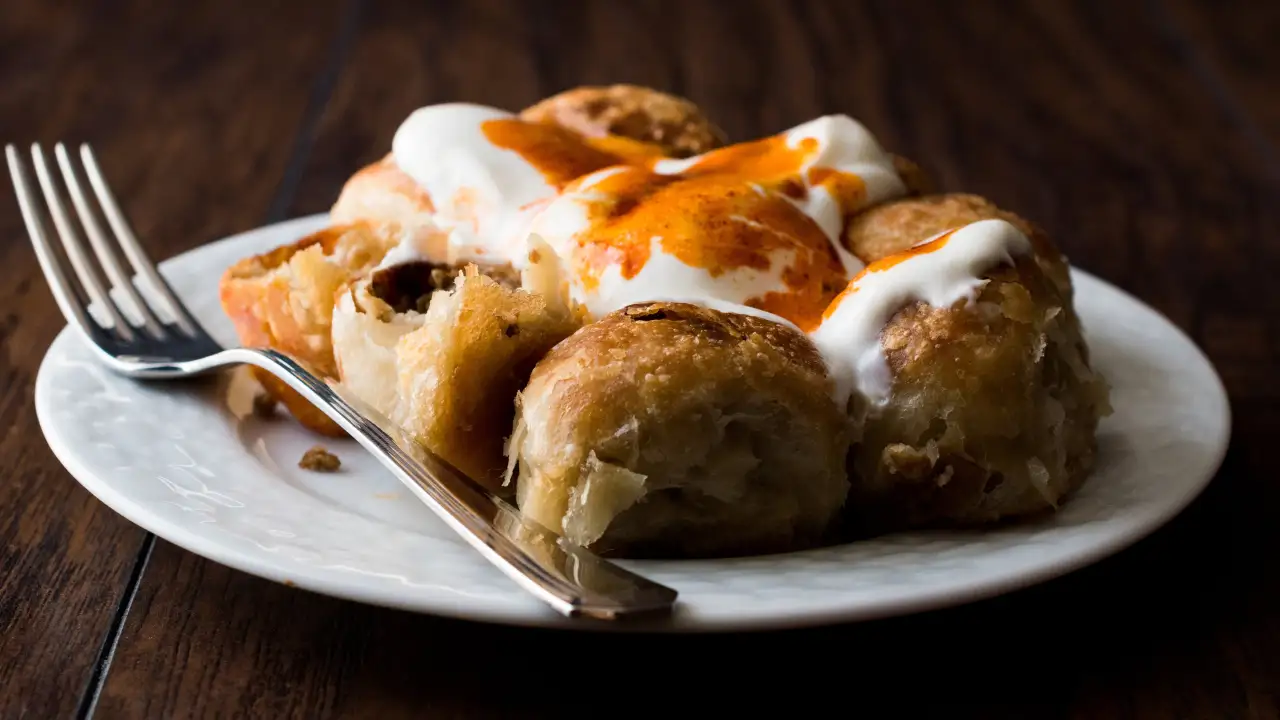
[
  {"x": 101, "y": 246},
  {"x": 65, "y": 292},
  {"x": 74, "y": 250},
  {"x": 132, "y": 248}
]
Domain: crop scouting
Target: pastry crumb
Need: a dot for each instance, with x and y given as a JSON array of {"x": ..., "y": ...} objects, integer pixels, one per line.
[
  {"x": 319, "y": 460},
  {"x": 264, "y": 406}
]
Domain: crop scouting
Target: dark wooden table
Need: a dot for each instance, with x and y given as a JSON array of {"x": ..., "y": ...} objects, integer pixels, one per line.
[{"x": 1144, "y": 136}]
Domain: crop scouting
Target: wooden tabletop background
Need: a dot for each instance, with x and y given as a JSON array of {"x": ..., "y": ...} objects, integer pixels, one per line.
[{"x": 1144, "y": 136}]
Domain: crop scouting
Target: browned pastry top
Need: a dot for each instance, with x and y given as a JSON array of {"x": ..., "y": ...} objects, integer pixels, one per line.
[{"x": 634, "y": 112}]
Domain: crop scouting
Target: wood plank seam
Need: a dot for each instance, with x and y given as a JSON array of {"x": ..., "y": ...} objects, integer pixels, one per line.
[
  {"x": 321, "y": 91},
  {"x": 101, "y": 665}
]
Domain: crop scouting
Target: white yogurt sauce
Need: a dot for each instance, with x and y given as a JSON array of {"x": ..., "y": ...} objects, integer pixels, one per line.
[
  {"x": 849, "y": 338},
  {"x": 483, "y": 195}
]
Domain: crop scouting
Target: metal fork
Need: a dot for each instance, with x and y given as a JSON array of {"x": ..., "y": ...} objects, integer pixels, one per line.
[{"x": 154, "y": 336}]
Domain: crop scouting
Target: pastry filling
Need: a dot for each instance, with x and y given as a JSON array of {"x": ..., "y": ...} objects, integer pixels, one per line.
[{"x": 408, "y": 287}]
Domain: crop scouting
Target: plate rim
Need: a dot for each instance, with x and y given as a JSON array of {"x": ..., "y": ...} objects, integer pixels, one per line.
[{"x": 920, "y": 600}]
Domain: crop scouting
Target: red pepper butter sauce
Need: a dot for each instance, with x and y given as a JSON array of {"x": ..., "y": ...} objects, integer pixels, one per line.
[
  {"x": 739, "y": 208},
  {"x": 562, "y": 155}
]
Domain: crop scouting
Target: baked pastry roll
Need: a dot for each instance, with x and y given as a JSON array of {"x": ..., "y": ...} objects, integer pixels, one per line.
[
  {"x": 283, "y": 299},
  {"x": 896, "y": 226},
  {"x": 670, "y": 429},
  {"x": 991, "y": 406},
  {"x": 443, "y": 354}
]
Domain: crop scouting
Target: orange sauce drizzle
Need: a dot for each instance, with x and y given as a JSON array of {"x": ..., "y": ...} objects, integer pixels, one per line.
[
  {"x": 716, "y": 222},
  {"x": 885, "y": 263},
  {"x": 770, "y": 159},
  {"x": 847, "y": 189},
  {"x": 562, "y": 155},
  {"x": 631, "y": 152},
  {"x": 724, "y": 213}
]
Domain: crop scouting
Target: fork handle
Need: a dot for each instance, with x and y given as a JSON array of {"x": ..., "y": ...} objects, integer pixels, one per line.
[{"x": 571, "y": 579}]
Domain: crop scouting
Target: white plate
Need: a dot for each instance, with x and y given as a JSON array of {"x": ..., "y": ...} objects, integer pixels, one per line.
[{"x": 192, "y": 464}]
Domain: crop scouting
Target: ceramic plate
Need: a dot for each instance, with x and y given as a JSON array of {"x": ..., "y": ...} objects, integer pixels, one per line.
[{"x": 192, "y": 464}]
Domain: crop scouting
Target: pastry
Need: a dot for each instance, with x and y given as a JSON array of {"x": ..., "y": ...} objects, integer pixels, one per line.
[
  {"x": 896, "y": 226},
  {"x": 661, "y": 344},
  {"x": 964, "y": 367},
  {"x": 283, "y": 299},
  {"x": 667, "y": 428},
  {"x": 443, "y": 354}
]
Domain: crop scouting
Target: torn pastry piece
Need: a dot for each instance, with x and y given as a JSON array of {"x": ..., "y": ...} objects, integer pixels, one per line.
[
  {"x": 370, "y": 316},
  {"x": 671, "y": 429},
  {"x": 373, "y": 313},
  {"x": 283, "y": 299},
  {"x": 640, "y": 113},
  {"x": 443, "y": 355},
  {"x": 965, "y": 365}
]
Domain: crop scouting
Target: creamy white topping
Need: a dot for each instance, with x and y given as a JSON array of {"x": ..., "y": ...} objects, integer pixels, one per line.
[
  {"x": 484, "y": 195},
  {"x": 849, "y": 338},
  {"x": 665, "y": 277},
  {"x": 546, "y": 275},
  {"x": 844, "y": 145}
]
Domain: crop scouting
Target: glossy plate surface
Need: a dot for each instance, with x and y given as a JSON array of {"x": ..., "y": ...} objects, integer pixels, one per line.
[{"x": 192, "y": 464}]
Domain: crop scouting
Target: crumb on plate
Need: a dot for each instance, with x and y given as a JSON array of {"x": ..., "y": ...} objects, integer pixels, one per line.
[
  {"x": 319, "y": 460},
  {"x": 264, "y": 406}
]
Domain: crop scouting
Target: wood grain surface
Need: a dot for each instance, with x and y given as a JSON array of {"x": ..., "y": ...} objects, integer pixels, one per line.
[{"x": 1143, "y": 136}]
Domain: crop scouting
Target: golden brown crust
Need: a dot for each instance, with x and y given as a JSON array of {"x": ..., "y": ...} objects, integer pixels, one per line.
[
  {"x": 993, "y": 413},
  {"x": 283, "y": 299},
  {"x": 894, "y": 227},
  {"x": 630, "y": 111},
  {"x": 995, "y": 406},
  {"x": 669, "y": 429}
]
